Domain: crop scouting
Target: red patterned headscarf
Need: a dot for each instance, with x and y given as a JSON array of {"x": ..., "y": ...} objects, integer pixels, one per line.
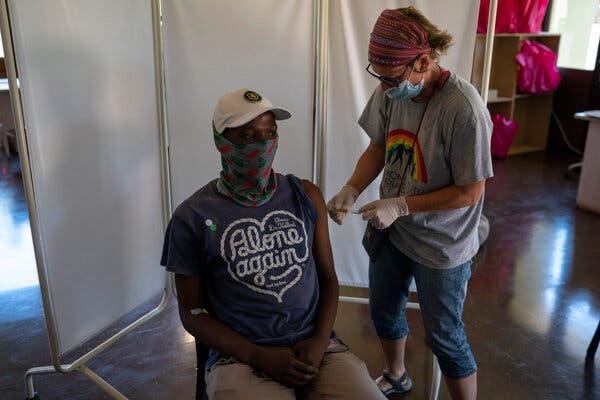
[{"x": 396, "y": 40}]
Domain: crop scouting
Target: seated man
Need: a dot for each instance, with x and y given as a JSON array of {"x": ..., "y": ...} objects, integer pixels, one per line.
[{"x": 254, "y": 270}]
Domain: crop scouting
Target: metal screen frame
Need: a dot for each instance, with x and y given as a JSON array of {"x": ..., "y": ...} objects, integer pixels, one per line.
[{"x": 79, "y": 364}]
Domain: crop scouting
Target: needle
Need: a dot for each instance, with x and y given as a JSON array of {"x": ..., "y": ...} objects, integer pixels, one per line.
[{"x": 351, "y": 211}]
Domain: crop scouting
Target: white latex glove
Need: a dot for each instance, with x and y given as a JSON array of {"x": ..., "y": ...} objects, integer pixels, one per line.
[
  {"x": 340, "y": 204},
  {"x": 383, "y": 213}
]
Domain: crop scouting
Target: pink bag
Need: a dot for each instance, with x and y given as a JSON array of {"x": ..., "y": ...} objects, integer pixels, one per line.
[
  {"x": 531, "y": 15},
  {"x": 503, "y": 134},
  {"x": 536, "y": 68},
  {"x": 514, "y": 16},
  {"x": 506, "y": 18}
]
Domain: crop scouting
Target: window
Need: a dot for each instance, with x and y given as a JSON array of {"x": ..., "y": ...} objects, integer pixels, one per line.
[{"x": 578, "y": 22}]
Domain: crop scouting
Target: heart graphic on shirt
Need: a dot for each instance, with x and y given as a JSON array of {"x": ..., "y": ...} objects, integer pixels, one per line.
[{"x": 266, "y": 256}]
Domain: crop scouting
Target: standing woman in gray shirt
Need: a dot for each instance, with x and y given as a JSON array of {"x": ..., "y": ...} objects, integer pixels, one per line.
[{"x": 430, "y": 134}]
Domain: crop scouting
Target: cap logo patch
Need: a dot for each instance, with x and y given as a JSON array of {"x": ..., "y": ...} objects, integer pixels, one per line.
[{"x": 252, "y": 96}]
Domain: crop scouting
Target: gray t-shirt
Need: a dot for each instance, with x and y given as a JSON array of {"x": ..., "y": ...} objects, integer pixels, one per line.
[{"x": 452, "y": 148}]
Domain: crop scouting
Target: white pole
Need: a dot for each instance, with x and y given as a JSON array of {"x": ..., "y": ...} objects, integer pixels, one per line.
[
  {"x": 163, "y": 131},
  {"x": 161, "y": 106},
  {"x": 112, "y": 392},
  {"x": 321, "y": 10},
  {"x": 489, "y": 47}
]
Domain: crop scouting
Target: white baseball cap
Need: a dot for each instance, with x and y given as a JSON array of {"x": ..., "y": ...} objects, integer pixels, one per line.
[{"x": 242, "y": 106}]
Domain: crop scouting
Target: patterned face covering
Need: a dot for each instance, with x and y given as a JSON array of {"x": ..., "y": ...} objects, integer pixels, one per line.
[{"x": 247, "y": 176}]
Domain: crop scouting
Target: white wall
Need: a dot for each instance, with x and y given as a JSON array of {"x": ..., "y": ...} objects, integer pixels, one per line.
[{"x": 213, "y": 47}]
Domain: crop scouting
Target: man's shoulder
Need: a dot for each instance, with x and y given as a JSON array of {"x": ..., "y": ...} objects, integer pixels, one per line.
[
  {"x": 196, "y": 202},
  {"x": 310, "y": 188},
  {"x": 304, "y": 185}
]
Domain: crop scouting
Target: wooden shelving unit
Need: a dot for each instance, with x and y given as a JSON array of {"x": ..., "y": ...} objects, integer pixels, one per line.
[{"x": 530, "y": 111}]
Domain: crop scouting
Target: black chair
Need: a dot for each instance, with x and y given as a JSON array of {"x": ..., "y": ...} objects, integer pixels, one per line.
[
  {"x": 591, "y": 351},
  {"x": 201, "y": 357}
]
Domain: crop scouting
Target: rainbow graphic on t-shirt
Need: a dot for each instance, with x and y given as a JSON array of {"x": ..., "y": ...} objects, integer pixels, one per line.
[{"x": 400, "y": 142}]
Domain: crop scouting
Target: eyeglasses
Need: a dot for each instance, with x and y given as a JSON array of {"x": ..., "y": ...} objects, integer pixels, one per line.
[{"x": 390, "y": 81}]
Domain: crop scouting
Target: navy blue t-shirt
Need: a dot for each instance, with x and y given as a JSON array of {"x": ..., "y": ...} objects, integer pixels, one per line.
[{"x": 256, "y": 263}]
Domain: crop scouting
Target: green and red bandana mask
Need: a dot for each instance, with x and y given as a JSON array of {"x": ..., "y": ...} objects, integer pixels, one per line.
[{"x": 247, "y": 176}]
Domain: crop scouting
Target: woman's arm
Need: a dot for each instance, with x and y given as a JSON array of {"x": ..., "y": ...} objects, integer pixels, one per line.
[
  {"x": 383, "y": 213},
  {"x": 368, "y": 166},
  {"x": 448, "y": 198},
  {"x": 277, "y": 362}
]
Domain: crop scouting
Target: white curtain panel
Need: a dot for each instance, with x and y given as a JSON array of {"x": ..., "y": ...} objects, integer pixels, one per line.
[
  {"x": 213, "y": 47},
  {"x": 349, "y": 88},
  {"x": 86, "y": 73}
]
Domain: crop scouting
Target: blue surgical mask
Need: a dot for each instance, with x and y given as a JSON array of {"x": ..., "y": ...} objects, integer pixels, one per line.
[{"x": 405, "y": 90}]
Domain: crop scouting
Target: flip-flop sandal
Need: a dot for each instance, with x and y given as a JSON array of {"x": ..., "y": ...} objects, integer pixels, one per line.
[{"x": 400, "y": 385}]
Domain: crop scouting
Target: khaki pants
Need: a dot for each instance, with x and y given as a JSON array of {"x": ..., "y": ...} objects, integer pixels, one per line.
[{"x": 342, "y": 375}]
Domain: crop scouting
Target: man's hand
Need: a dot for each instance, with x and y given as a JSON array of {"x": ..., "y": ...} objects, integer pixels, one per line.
[
  {"x": 383, "y": 213},
  {"x": 340, "y": 204},
  {"x": 281, "y": 365},
  {"x": 311, "y": 350}
]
